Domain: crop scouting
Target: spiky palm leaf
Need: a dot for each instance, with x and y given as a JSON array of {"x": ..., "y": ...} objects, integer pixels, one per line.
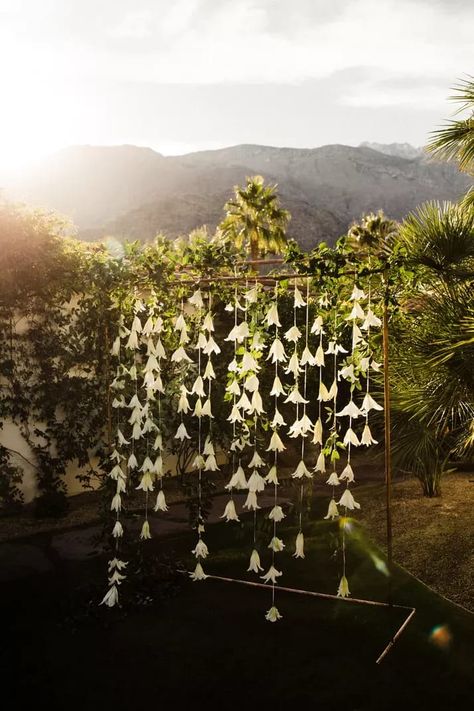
[{"x": 455, "y": 140}]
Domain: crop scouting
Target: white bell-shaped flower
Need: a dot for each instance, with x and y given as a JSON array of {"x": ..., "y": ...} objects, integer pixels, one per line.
[
  {"x": 201, "y": 550},
  {"x": 368, "y": 404},
  {"x": 273, "y": 615},
  {"x": 277, "y": 387},
  {"x": 278, "y": 420},
  {"x": 276, "y": 445},
  {"x": 276, "y": 514},
  {"x": 371, "y": 321},
  {"x": 272, "y": 318},
  {"x": 332, "y": 511},
  {"x": 249, "y": 363},
  {"x": 256, "y": 482},
  {"x": 251, "y": 383},
  {"x": 318, "y": 432},
  {"x": 182, "y": 433},
  {"x": 145, "y": 533},
  {"x": 254, "y": 566},
  {"x": 293, "y": 334},
  {"x": 348, "y": 501},
  {"x": 196, "y": 299},
  {"x": 350, "y": 437},
  {"x": 161, "y": 502},
  {"x": 272, "y": 477},
  {"x": 276, "y": 545},
  {"x": 357, "y": 294},
  {"x": 317, "y": 326},
  {"x": 333, "y": 480},
  {"x": 301, "y": 471},
  {"x": 320, "y": 463},
  {"x": 198, "y": 573},
  {"x": 307, "y": 358},
  {"x": 298, "y": 300},
  {"x": 367, "y": 438},
  {"x": 251, "y": 501},
  {"x": 343, "y": 589},
  {"x": 293, "y": 365},
  {"x": 211, "y": 347},
  {"x": 209, "y": 373},
  {"x": 271, "y": 575},
  {"x": 180, "y": 355},
  {"x": 233, "y": 388},
  {"x": 323, "y": 394},
  {"x": 238, "y": 480},
  {"x": 235, "y": 415},
  {"x": 277, "y": 352},
  {"x": 347, "y": 473},
  {"x": 243, "y": 403},
  {"x": 256, "y": 461},
  {"x": 357, "y": 312},
  {"x": 295, "y": 397},
  {"x": 230, "y": 513},
  {"x": 299, "y": 546},
  {"x": 350, "y": 410},
  {"x": 257, "y": 403}
]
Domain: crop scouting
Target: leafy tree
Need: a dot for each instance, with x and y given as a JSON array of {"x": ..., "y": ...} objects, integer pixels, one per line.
[{"x": 255, "y": 220}]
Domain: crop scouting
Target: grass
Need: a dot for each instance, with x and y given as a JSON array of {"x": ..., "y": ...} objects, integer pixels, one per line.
[{"x": 208, "y": 646}]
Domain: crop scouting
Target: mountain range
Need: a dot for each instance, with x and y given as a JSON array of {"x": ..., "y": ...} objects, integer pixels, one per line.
[{"x": 132, "y": 192}]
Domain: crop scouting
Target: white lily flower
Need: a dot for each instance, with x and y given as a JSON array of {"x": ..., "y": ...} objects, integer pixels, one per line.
[
  {"x": 235, "y": 415},
  {"x": 277, "y": 388},
  {"x": 323, "y": 394},
  {"x": 132, "y": 462},
  {"x": 209, "y": 373},
  {"x": 183, "y": 403},
  {"x": 238, "y": 480},
  {"x": 276, "y": 445},
  {"x": 364, "y": 364},
  {"x": 116, "y": 471},
  {"x": 145, "y": 532},
  {"x": 233, "y": 366},
  {"x": 211, "y": 347},
  {"x": 276, "y": 545},
  {"x": 208, "y": 446},
  {"x": 347, "y": 474},
  {"x": 351, "y": 438},
  {"x": 134, "y": 402},
  {"x": 254, "y": 566},
  {"x": 201, "y": 550},
  {"x": 136, "y": 324},
  {"x": 276, "y": 514},
  {"x": 111, "y": 597},
  {"x": 332, "y": 511},
  {"x": 136, "y": 431},
  {"x": 256, "y": 482},
  {"x": 296, "y": 397},
  {"x": 179, "y": 355},
  {"x": 230, "y": 514},
  {"x": 150, "y": 347},
  {"x": 271, "y": 477},
  {"x": 301, "y": 427},
  {"x": 198, "y": 573},
  {"x": 136, "y": 416},
  {"x": 118, "y": 402},
  {"x": 317, "y": 326},
  {"x": 298, "y": 298},
  {"x": 318, "y": 432},
  {"x": 158, "y": 325},
  {"x": 251, "y": 295},
  {"x": 151, "y": 364},
  {"x": 257, "y": 403},
  {"x": 277, "y": 352},
  {"x": 115, "y": 350},
  {"x": 348, "y": 373},
  {"x": 348, "y": 501},
  {"x": 320, "y": 463},
  {"x": 116, "y": 563},
  {"x": 180, "y": 324},
  {"x": 147, "y": 465},
  {"x": 206, "y": 409},
  {"x": 116, "y": 578},
  {"x": 158, "y": 443},
  {"x": 182, "y": 433},
  {"x": 368, "y": 404},
  {"x": 257, "y": 344},
  {"x": 133, "y": 372},
  {"x": 160, "y": 350},
  {"x": 301, "y": 471},
  {"x": 117, "y": 531},
  {"x": 271, "y": 575},
  {"x": 375, "y": 366},
  {"x": 146, "y": 482},
  {"x": 251, "y": 383},
  {"x": 371, "y": 320},
  {"x": 233, "y": 388},
  {"x": 196, "y": 299},
  {"x": 307, "y": 358},
  {"x": 210, "y": 464},
  {"x": 198, "y": 387},
  {"x": 243, "y": 403},
  {"x": 333, "y": 480},
  {"x": 367, "y": 438},
  {"x": 293, "y": 334},
  {"x": 208, "y": 323},
  {"x": 273, "y": 614},
  {"x": 121, "y": 439},
  {"x": 278, "y": 420},
  {"x": 239, "y": 333},
  {"x": 272, "y": 318},
  {"x": 357, "y": 312},
  {"x": 132, "y": 343},
  {"x": 201, "y": 342},
  {"x": 299, "y": 546},
  {"x": 251, "y": 501},
  {"x": 256, "y": 461},
  {"x": 161, "y": 502},
  {"x": 249, "y": 363},
  {"x": 357, "y": 336},
  {"x": 332, "y": 392},
  {"x": 158, "y": 466},
  {"x": 197, "y": 412},
  {"x": 183, "y": 338},
  {"x": 148, "y": 327},
  {"x": 357, "y": 294},
  {"x": 293, "y": 365},
  {"x": 350, "y": 410},
  {"x": 343, "y": 589},
  {"x": 198, "y": 462}
]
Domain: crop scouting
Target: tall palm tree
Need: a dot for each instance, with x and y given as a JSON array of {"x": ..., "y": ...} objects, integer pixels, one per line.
[
  {"x": 374, "y": 234},
  {"x": 254, "y": 219}
]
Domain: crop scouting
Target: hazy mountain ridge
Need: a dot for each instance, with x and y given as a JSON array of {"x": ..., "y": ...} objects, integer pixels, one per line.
[{"x": 133, "y": 192}]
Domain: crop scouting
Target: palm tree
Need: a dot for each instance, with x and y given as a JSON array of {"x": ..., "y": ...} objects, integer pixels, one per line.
[
  {"x": 433, "y": 345},
  {"x": 455, "y": 140},
  {"x": 255, "y": 220},
  {"x": 374, "y": 234}
]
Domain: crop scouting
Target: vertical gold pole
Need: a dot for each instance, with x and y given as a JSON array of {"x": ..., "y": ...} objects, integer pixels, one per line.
[{"x": 387, "y": 422}]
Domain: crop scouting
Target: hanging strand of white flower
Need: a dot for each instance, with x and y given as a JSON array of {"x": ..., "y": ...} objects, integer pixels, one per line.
[
  {"x": 318, "y": 329},
  {"x": 200, "y": 551},
  {"x": 333, "y": 348},
  {"x": 276, "y": 514},
  {"x": 118, "y": 474},
  {"x": 230, "y": 513},
  {"x": 304, "y": 426},
  {"x": 158, "y": 445}
]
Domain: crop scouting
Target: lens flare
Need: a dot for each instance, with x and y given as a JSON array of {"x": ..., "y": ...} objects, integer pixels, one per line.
[
  {"x": 380, "y": 564},
  {"x": 441, "y": 636}
]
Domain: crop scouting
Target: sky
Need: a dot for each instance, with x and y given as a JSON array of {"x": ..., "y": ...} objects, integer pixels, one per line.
[{"x": 197, "y": 74}]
